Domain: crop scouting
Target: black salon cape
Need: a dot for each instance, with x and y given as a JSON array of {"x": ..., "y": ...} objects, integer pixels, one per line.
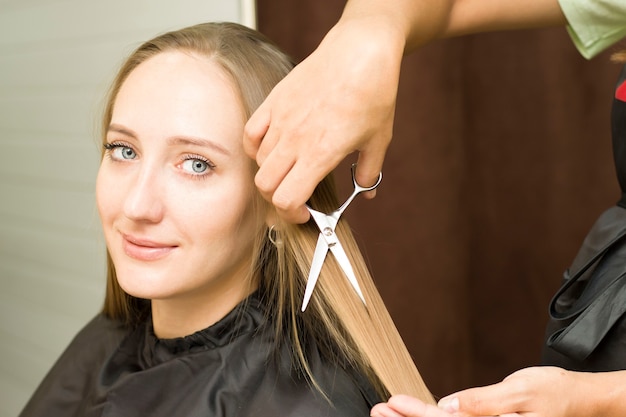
[
  {"x": 225, "y": 370},
  {"x": 587, "y": 324}
]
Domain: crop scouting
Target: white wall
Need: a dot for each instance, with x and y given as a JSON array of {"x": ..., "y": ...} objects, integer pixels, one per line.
[{"x": 56, "y": 60}]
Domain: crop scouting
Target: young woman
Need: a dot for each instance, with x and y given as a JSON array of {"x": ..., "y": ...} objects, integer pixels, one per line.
[{"x": 202, "y": 311}]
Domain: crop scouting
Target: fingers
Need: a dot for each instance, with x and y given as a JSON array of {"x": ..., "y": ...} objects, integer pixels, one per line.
[
  {"x": 289, "y": 176},
  {"x": 498, "y": 399},
  {"x": 474, "y": 402},
  {"x": 255, "y": 130},
  {"x": 287, "y": 187},
  {"x": 406, "y": 406},
  {"x": 383, "y": 410},
  {"x": 291, "y": 168},
  {"x": 275, "y": 167}
]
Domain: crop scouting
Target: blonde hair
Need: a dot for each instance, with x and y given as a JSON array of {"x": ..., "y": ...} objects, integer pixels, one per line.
[{"x": 336, "y": 319}]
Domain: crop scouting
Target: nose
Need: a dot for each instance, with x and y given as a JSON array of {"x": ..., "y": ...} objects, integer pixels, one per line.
[{"x": 143, "y": 201}]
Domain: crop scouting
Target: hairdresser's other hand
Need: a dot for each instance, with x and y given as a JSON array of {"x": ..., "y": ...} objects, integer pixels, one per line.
[
  {"x": 405, "y": 406},
  {"x": 339, "y": 100},
  {"x": 541, "y": 392}
]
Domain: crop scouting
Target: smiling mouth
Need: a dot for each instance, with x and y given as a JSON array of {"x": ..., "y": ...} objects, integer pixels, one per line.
[{"x": 145, "y": 250}]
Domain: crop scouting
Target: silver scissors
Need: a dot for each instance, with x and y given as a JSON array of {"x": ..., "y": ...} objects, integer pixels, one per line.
[{"x": 328, "y": 240}]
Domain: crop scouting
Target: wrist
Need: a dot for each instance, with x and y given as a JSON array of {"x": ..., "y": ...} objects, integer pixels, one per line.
[
  {"x": 610, "y": 391},
  {"x": 416, "y": 22},
  {"x": 378, "y": 26},
  {"x": 598, "y": 394},
  {"x": 370, "y": 51}
]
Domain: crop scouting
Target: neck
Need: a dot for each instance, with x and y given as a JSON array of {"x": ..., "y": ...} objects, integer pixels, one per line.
[{"x": 183, "y": 316}]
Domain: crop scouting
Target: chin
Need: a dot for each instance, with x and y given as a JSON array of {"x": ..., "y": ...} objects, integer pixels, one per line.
[{"x": 142, "y": 284}]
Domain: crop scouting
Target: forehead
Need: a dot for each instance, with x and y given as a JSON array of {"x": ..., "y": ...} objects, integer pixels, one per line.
[{"x": 179, "y": 90}]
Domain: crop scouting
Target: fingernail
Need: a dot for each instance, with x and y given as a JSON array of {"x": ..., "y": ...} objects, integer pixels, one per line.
[{"x": 449, "y": 404}]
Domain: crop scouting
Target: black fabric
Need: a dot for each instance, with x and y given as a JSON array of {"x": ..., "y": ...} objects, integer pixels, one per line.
[
  {"x": 618, "y": 132},
  {"x": 587, "y": 326},
  {"x": 228, "y": 369}
]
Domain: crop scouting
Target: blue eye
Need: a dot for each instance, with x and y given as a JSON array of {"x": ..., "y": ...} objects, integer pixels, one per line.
[
  {"x": 196, "y": 166},
  {"x": 119, "y": 151},
  {"x": 124, "y": 152}
]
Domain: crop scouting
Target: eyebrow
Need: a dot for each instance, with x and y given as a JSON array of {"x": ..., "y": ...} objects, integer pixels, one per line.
[
  {"x": 120, "y": 129},
  {"x": 191, "y": 140},
  {"x": 175, "y": 140}
]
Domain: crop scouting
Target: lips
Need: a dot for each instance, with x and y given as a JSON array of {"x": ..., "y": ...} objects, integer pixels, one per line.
[{"x": 145, "y": 249}]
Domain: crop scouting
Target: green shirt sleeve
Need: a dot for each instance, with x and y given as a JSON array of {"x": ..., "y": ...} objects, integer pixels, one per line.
[{"x": 594, "y": 25}]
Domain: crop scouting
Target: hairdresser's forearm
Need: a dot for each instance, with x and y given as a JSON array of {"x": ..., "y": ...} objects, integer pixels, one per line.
[
  {"x": 474, "y": 16},
  {"x": 411, "y": 23}
]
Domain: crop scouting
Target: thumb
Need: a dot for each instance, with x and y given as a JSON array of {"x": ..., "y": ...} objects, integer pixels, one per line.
[
  {"x": 368, "y": 169},
  {"x": 407, "y": 406},
  {"x": 491, "y": 400}
]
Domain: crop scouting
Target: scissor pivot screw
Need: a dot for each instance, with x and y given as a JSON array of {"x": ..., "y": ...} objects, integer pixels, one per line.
[{"x": 328, "y": 231}]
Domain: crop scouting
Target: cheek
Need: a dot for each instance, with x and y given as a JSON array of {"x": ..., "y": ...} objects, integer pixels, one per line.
[
  {"x": 105, "y": 195},
  {"x": 229, "y": 216}
]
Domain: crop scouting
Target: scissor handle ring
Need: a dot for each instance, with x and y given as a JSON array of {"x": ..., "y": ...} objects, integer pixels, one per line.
[{"x": 358, "y": 188}]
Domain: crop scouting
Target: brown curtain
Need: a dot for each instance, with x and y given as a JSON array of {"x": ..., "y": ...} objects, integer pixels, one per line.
[{"x": 500, "y": 163}]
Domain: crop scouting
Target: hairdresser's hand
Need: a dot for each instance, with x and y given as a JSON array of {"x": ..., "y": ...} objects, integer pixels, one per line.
[
  {"x": 536, "y": 392},
  {"x": 531, "y": 392},
  {"x": 339, "y": 100},
  {"x": 543, "y": 392}
]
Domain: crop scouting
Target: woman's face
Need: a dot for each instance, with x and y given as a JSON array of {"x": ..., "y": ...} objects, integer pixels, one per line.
[{"x": 175, "y": 190}]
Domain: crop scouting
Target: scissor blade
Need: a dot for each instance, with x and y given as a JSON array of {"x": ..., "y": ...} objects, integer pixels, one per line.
[
  {"x": 323, "y": 221},
  {"x": 344, "y": 262},
  {"x": 321, "y": 249}
]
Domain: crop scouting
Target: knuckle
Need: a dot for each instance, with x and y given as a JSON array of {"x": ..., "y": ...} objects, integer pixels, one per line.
[
  {"x": 253, "y": 134},
  {"x": 522, "y": 384},
  {"x": 283, "y": 202},
  {"x": 262, "y": 183},
  {"x": 474, "y": 403},
  {"x": 249, "y": 134}
]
